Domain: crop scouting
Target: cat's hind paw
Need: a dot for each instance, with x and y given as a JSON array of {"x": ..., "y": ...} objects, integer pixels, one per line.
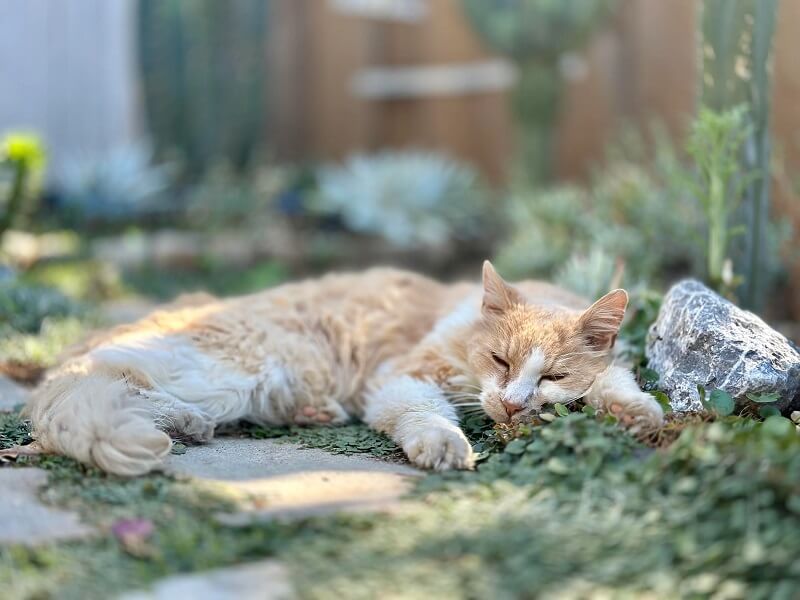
[{"x": 440, "y": 448}]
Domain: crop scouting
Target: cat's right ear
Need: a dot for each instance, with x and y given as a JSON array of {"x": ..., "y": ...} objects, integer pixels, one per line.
[{"x": 498, "y": 296}]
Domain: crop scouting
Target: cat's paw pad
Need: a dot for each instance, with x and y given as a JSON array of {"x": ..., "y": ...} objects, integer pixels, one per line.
[
  {"x": 440, "y": 448},
  {"x": 638, "y": 411}
]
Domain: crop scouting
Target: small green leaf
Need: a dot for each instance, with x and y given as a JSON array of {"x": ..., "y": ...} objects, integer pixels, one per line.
[
  {"x": 721, "y": 402},
  {"x": 702, "y": 393},
  {"x": 561, "y": 410},
  {"x": 663, "y": 400},
  {"x": 649, "y": 375},
  {"x": 764, "y": 397},
  {"x": 768, "y": 411},
  {"x": 778, "y": 426},
  {"x": 516, "y": 447},
  {"x": 557, "y": 466},
  {"x": 589, "y": 410},
  {"x": 178, "y": 448}
]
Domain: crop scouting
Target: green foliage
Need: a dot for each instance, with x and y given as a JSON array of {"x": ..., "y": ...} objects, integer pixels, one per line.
[
  {"x": 737, "y": 38},
  {"x": 122, "y": 187},
  {"x": 83, "y": 280},
  {"x": 409, "y": 198},
  {"x": 536, "y": 34},
  {"x": 715, "y": 143},
  {"x": 24, "y": 308},
  {"x": 586, "y": 238},
  {"x": 541, "y": 29},
  {"x": 204, "y": 79},
  {"x": 23, "y": 155},
  {"x": 13, "y": 430},
  {"x": 225, "y": 198},
  {"x": 575, "y": 508},
  {"x": 44, "y": 348},
  {"x": 347, "y": 439},
  {"x": 212, "y": 276}
]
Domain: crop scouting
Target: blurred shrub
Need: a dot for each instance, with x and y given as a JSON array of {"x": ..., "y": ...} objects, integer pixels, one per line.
[
  {"x": 81, "y": 279},
  {"x": 629, "y": 219},
  {"x": 43, "y": 347},
  {"x": 714, "y": 144},
  {"x": 23, "y": 308},
  {"x": 124, "y": 186},
  {"x": 22, "y": 157},
  {"x": 223, "y": 197},
  {"x": 542, "y": 29},
  {"x": 537, "y": 34},
  {"x": 203, "y": 78},
  {"x": 408, "y": 198}
]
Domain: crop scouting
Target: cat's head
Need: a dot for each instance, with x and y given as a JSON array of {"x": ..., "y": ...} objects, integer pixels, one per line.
[{"x": 526, "y": 356}]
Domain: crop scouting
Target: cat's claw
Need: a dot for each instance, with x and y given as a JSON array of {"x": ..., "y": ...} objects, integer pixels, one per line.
[{"x": 441, "y": 449}]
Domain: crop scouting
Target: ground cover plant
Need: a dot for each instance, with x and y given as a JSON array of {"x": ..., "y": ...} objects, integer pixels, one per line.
[{"x": 554, "y": 509}]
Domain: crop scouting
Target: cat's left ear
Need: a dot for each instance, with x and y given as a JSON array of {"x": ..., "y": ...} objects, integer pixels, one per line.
[
  {"x": 498, "y": 296},
  {"x": 601, "y": 321}
]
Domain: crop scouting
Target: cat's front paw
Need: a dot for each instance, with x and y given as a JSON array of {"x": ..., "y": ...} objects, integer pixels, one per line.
[
  {"x": 440, "y": 448},
  {"x": 637, "y": 411}
]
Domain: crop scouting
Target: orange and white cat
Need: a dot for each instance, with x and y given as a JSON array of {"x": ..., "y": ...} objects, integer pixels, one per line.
[{"x": 394, "y": 349}]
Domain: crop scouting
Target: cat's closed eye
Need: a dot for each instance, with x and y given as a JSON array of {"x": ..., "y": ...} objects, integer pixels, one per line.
[
  {"x": 554, "y": 377},
  {"x": 500, "y": 362}
]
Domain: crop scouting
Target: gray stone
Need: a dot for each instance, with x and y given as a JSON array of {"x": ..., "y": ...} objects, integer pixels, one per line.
[
  {"x": 11, "y": 394},
  {"x": 265, "y": 580},
  {"x": 25, "y": 520},
  {"x": 267, "y": 479},
  {"x": 700, "y": 338}
]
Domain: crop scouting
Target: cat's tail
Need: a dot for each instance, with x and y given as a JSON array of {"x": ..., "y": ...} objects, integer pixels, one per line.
[{"x": 90, "y": 412}]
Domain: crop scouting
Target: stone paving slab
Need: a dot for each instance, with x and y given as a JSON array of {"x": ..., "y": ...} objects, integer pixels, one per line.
[
  {"x": 264, "y": 580},
  {"x": 25, "y": 520},
  {"x": 269, "y": 479},
  {"x": 11, "y": 394}
]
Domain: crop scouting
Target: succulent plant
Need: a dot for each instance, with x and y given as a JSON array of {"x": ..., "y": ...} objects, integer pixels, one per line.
[{"x": 409, "y": 198}]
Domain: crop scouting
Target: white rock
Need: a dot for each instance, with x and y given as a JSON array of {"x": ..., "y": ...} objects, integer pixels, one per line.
[{"x": 702, "y": 339}]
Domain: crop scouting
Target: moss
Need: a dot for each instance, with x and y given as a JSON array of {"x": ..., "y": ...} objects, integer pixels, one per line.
[{"x": 347, "y": 439}]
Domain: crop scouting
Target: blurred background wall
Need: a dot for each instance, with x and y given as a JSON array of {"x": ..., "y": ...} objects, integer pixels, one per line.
[
  {"x": 69, "y": 71},
  {"x": 187, "y": 114}
]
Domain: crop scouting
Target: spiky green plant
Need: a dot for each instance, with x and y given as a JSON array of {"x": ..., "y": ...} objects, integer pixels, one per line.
[
  {"x": 203, "y": 78},
  {"x": 715, "y": 145},
  {"x": 736, "y": 48}
]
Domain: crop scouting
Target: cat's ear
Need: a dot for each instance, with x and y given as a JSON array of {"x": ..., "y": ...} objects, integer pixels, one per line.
[
  {"x": 498, "y": 296},
  {"x": 600, "y": 323}
]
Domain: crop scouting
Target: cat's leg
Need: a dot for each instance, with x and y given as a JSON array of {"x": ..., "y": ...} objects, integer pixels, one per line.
[
  {"x": 179, "y": 419},
  {"x": 615, "y": 391},
  {"x": 416, "y": 415}
]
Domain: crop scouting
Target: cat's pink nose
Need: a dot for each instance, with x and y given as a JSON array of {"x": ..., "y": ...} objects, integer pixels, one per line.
[{"x": 512, "y": 408}]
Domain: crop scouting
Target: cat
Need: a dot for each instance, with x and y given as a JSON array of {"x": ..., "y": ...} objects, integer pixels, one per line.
[{"x": 397, "y": 350}]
